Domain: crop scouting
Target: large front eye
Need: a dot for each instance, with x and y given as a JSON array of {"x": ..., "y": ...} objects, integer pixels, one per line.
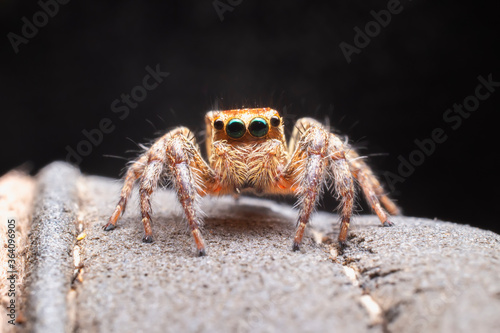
[
  {"x": 235, "y": 128},
  {"x": 258, "y": 127}
]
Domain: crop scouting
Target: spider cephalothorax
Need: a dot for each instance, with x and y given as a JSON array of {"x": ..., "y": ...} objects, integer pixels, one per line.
[{"x": 247, "y": 151}]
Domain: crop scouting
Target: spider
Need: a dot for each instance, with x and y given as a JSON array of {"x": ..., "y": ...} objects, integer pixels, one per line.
[{"x": 247, "y": 151}]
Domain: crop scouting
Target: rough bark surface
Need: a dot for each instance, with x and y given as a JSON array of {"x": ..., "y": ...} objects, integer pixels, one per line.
[{"x": 420, "y": 275}]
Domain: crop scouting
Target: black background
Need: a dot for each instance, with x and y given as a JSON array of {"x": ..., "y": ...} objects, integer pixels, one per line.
[{"x": 282, "y": 54}]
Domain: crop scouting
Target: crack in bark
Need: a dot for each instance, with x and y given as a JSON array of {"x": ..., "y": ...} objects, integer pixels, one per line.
[
  {"x": 78, "y": 264},
  {"x": 378, "y": 316},
  {"x": 375, "y": 311}
]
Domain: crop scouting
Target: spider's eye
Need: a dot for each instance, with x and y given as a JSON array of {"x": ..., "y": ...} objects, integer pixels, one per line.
[
  {"x": 235, "y": 128},
  {"x": 258, "y": 127},
  {"x": 218, "y": 124},
  {"x": 275, "y": 121}
]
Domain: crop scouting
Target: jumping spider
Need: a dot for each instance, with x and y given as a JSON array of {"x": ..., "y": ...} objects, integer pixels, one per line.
[{"x": 247, "y": 152}]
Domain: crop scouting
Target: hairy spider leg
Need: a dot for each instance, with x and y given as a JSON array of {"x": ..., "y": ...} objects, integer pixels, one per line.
[
  {"x": 177, "y": 154},
  {"x": 189, "y": 173},
  {"x": 343, "y": 184},
  {"x": 149, "y": 182},
  {"x": 373, "y": 191},
  {"x": 134, "y": 172},
  {"x": 318, "y": 156}
]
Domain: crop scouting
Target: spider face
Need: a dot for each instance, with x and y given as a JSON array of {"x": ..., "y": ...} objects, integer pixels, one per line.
[
  {"x": 245, "y": 147},
  {"x": 244, "y": 125}
]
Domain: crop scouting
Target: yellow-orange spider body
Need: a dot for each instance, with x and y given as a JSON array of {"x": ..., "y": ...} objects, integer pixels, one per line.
[{"x": 247, "y": 151}]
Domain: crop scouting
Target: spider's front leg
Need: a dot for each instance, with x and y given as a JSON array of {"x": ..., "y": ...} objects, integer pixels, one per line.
[
  {"x": 177, "y": 154},
  {"x": 316, "y": 157}
]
